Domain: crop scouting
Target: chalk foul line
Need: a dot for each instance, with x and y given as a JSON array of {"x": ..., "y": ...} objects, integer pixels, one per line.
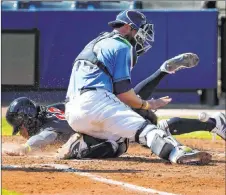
[{"x": 65, "y": 168}]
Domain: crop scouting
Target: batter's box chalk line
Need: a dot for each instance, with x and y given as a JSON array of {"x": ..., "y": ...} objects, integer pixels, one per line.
[{"x": 66, "y": 168}]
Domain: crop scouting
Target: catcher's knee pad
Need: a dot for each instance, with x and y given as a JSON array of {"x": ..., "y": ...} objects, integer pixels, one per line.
[
  {"x": 162, "y": 124},
  {"x": 157, "y": 140},
  {"x": 145, "y": 129},
  {"x": 148, "y": 115}
]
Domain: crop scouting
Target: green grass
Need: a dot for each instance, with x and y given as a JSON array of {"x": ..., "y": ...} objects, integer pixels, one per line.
[
  {"x": 198, "y": 135},
  {"x": 6, "y": 192},
  {"x": 5, "y": 127},
  {"x": 194, "y": 135},
  {"x": 7, "y": 130}
]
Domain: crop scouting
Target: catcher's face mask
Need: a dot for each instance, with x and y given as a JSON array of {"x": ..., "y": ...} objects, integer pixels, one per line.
[
  {"x": 144, "y": 38},
  {"x": 137, "y": 21}
]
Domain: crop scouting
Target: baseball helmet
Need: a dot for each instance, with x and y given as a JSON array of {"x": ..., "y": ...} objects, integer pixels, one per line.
[
  {"x": 137, "y": 20},
  {"x": 23, "y": 111}
]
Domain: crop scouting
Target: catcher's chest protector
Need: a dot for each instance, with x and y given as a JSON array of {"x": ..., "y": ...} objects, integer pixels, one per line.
[{"x": 89, "y": 54}]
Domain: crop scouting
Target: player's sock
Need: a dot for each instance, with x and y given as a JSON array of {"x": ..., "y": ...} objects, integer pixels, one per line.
[
  {"x": 212, "y": 120},
  {"x": 177, "y": 126},
  {"x": 146, "y": 87}
]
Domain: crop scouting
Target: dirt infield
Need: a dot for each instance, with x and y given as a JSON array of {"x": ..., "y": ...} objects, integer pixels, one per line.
[{"x": 137, "y": 167}]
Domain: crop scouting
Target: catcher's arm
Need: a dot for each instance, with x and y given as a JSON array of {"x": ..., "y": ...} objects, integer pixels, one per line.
[{"x": 132, "y": 100}]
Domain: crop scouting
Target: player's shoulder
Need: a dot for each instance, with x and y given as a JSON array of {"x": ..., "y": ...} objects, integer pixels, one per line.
[
  {"x": 115, "y": 43},
  {"x": 120, "y": 43}
]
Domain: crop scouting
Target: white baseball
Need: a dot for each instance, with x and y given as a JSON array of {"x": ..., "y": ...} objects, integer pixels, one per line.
[{"x": 203, "y": 116}]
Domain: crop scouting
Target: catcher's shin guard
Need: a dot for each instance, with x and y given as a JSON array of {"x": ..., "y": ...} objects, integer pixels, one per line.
[
  {"x": 156, "y": 139},
  {"x": 166, "y": 147}
]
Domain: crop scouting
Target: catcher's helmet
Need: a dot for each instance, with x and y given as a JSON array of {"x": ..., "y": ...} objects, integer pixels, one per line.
[
  {"x": 145, "y": 31},
  {"x": 23, "y": 111}
]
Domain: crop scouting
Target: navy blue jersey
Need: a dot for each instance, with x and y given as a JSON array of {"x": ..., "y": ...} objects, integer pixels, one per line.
[{"x": 54, "y": 128}]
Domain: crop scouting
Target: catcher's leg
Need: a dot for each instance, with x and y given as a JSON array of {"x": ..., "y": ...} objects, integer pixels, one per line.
[
  {"x": 81, "y": 146},
  {"x": 112, "y": 119},
  {"x": 166, "y": 147}
]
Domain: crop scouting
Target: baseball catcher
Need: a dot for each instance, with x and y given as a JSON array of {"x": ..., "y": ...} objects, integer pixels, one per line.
[{"x": 100, "y": 97}]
